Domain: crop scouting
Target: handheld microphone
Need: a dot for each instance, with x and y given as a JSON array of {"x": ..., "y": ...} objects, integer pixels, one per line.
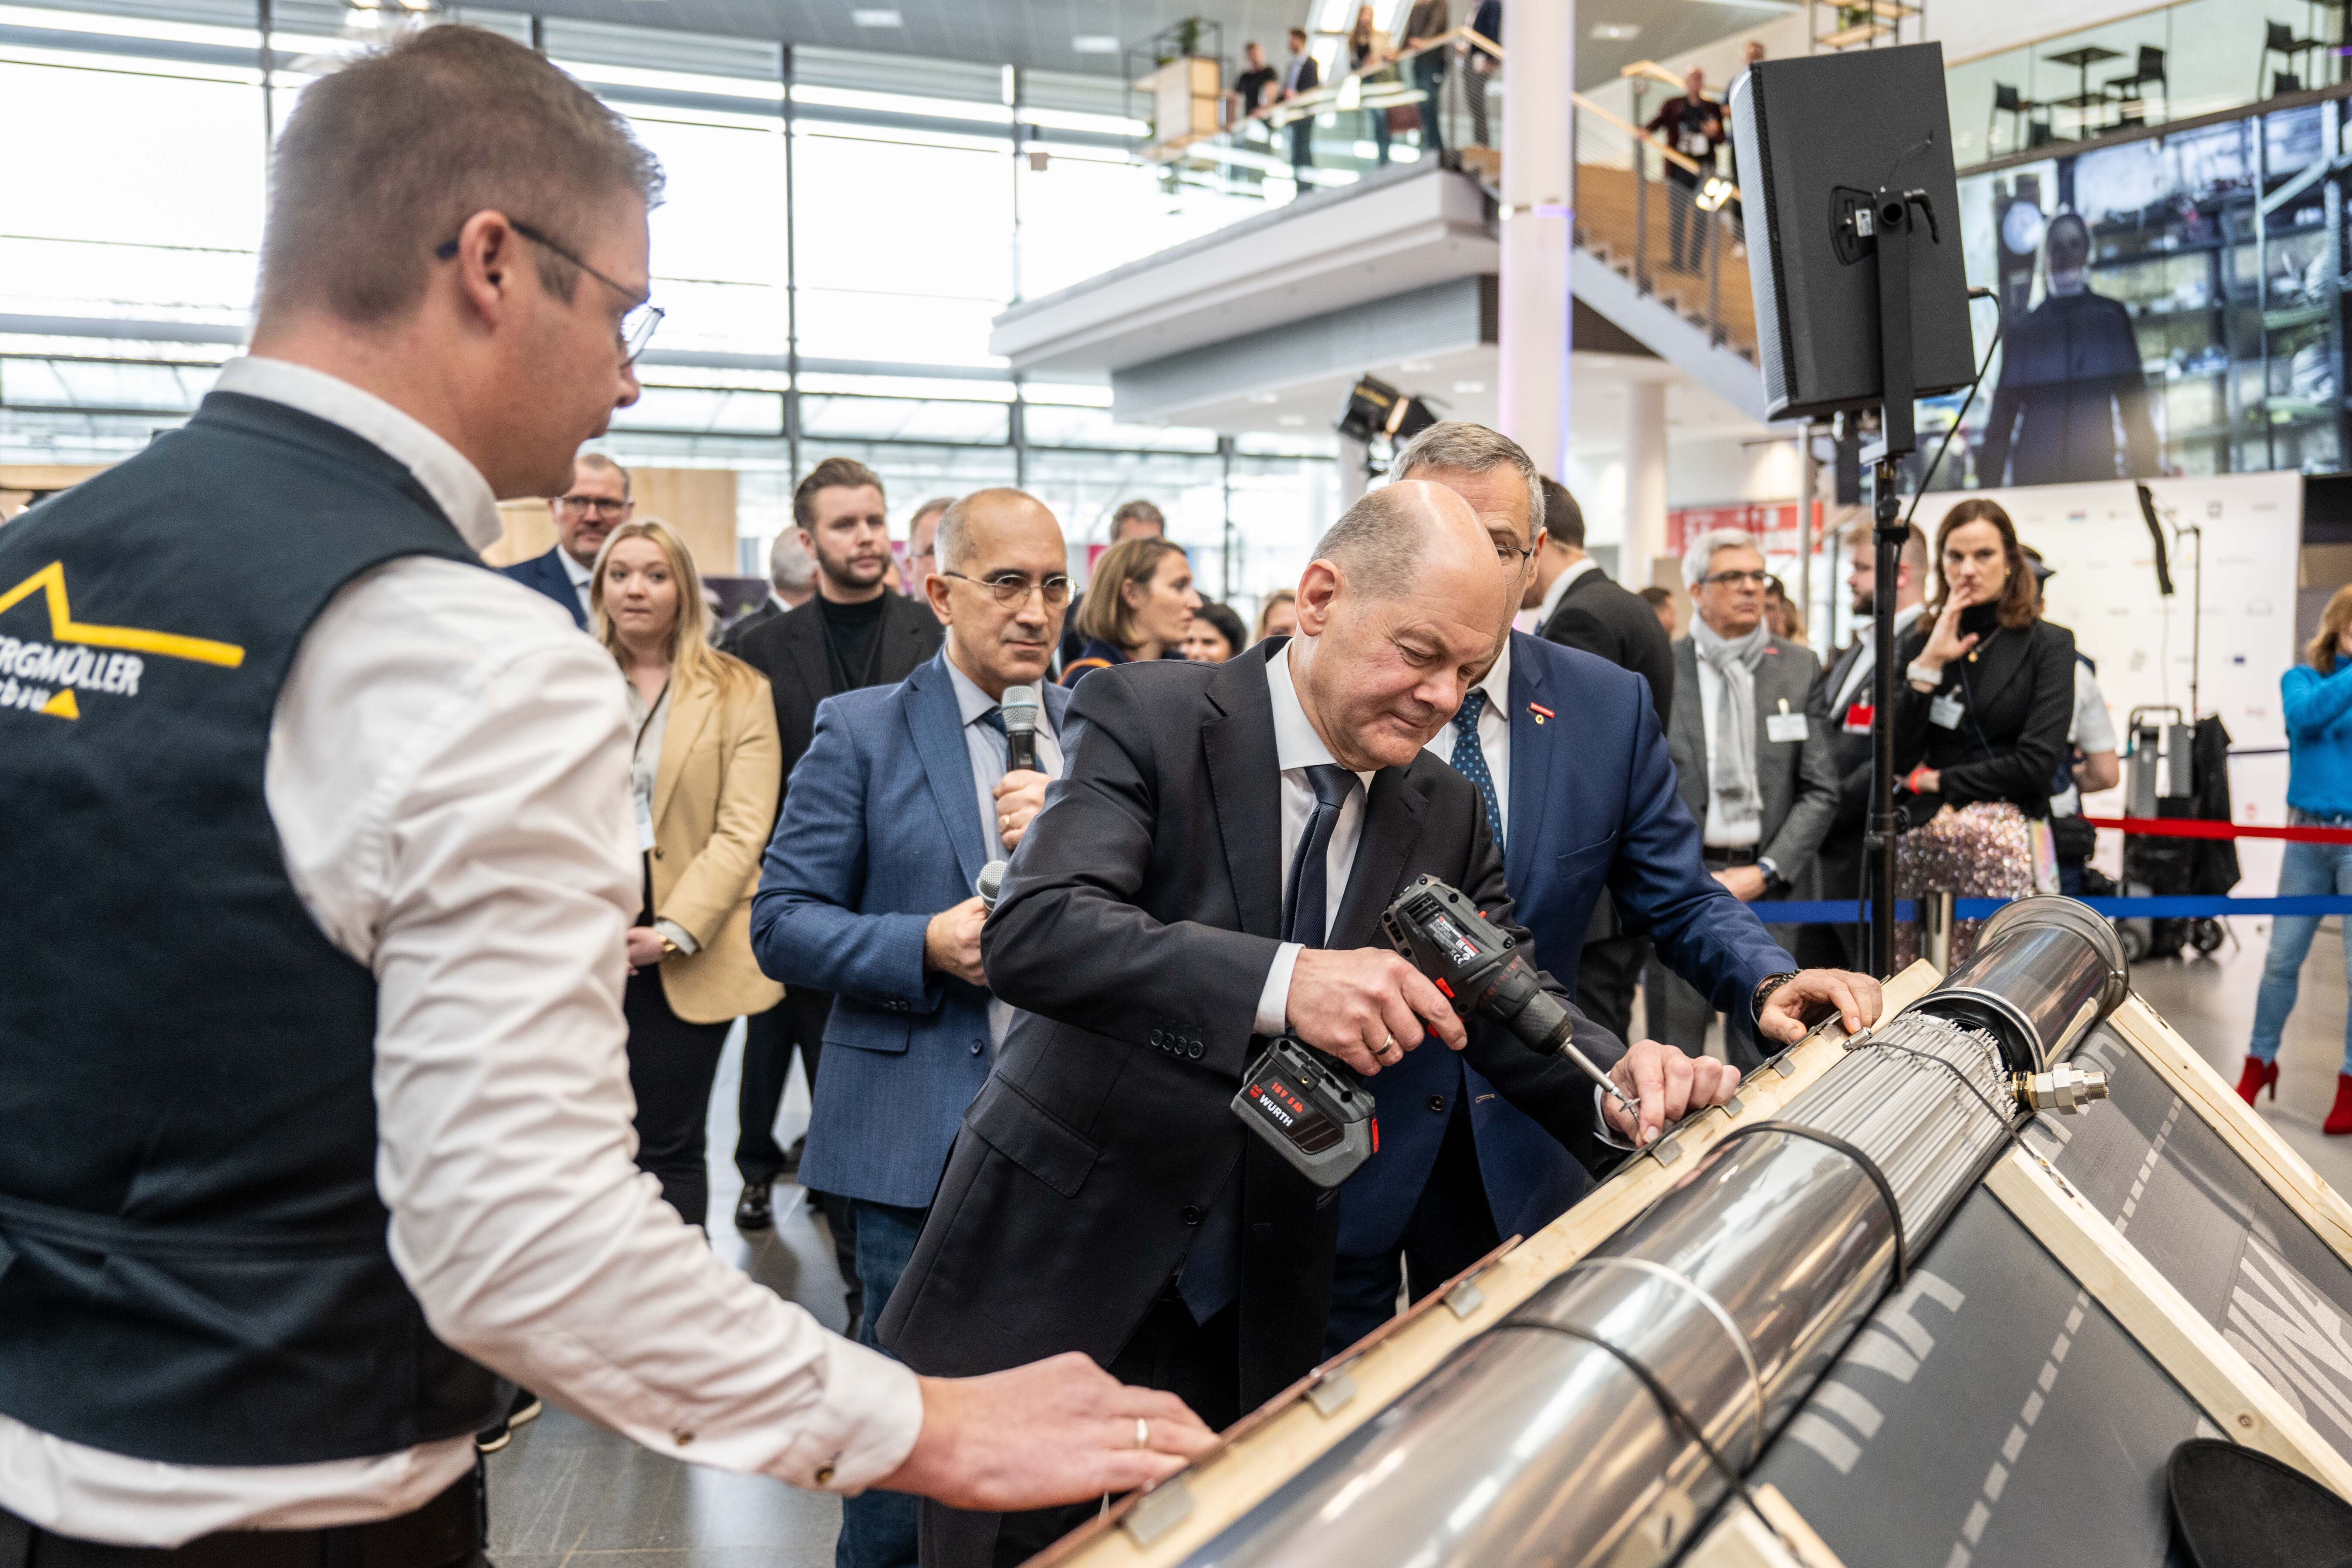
[
  {"x": 1018, "y": 708},
  {"x": 990, "y": 883}
]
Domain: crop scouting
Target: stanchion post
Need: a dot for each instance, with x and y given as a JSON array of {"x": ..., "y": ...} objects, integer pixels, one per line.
[{"x": 1889, "y": 217}]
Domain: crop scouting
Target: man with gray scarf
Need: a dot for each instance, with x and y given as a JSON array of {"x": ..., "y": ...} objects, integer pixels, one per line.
[{"x": 1759, "y": 777}]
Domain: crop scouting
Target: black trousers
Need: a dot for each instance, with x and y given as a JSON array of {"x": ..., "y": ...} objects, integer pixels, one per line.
[
  {"x": 1836, "y": 946},
  {"x": 1302, "y": 142},
  {"x": 769, "y": 1041},
  {"x": 1686, "y": 226},
  {"x": 671, "y": 1066},
  {"x": 449, "y": 1531},
  {"x": 1606, "y": 974},
  {"x": 1198, "y": 1363}
]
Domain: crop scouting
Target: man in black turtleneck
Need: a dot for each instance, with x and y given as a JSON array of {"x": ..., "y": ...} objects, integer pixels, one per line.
[{"x": 853, "y": 633}]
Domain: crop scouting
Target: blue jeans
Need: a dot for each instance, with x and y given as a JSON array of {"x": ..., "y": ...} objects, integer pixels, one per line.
[
  {"x": 877, "y": 1528},
  {"x": 2307, "y": 869}
]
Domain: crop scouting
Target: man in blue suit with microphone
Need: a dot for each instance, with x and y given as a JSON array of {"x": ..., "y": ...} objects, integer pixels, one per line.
[
  {"x": 903, "y": 796},
  {"x": 1567, "y": 749}
]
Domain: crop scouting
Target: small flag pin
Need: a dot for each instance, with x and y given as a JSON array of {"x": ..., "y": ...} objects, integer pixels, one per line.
[{"x": 1539, "y": 711}]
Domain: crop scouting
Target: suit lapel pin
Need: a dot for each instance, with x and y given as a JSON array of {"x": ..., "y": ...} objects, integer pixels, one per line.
[{"x": 1539, "y": 711}]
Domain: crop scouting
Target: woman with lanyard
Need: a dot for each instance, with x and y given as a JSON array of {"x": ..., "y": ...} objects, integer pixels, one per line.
[
  {"x": 1979, "y": 725},
  {"x": 705, "y": 771},
  {"x": 1139, "y": 606},
  {"x": 2316, "y": 702}
]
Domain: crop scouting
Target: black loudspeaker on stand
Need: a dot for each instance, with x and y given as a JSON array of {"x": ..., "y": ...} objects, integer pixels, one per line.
[{"x": 1861, "y": 302}]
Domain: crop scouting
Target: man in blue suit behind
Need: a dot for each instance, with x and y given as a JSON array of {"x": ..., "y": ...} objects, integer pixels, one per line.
[
  {"x": 597, "y": 502},
  {"x": 1580, "y": 790},
  {"x": 902, "y": 796}
]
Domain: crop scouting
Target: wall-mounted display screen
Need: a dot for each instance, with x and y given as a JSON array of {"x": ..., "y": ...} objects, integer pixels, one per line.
[{"x": 2170, "y": 304}]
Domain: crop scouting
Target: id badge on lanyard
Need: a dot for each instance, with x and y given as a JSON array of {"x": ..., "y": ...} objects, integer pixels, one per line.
[
  {"x": 1857, "y": 718},
  {"x": 1945, "y": 711}
]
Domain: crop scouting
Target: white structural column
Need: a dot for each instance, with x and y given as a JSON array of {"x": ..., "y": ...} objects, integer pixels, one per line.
[
  {"x": 1539, "y": 213},
  {"x": 1646, "y": 481}
]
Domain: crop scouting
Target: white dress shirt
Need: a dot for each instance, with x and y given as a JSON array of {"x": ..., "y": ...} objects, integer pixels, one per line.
[
  {"x": 986, "y": 749},
  {"x": 580, "y": 577},
  {"x": 449, "y": 773},
  {"x": 2093, "y": 730},
  {"x": 1725, "y": 828},
  {"x": 1494, "y": 733},
  {"x": 1296, "y": 748}
]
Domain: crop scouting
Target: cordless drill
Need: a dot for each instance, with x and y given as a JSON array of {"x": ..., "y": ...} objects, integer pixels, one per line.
[{"x": 1484, "y": 973}]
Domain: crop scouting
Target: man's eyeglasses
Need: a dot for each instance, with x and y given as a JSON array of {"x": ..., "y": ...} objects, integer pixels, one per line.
[
  {"x": 1012, "y": 588},
  {"x": 1737, "y": 579},
  {"x": 603, "y": 506},
  {"x": 1512, "y": 558},
  {"x": 637, "y": 323}
]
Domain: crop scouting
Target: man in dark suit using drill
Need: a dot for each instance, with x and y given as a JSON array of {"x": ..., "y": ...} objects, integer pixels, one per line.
[{"x": 1210, "y": 872}]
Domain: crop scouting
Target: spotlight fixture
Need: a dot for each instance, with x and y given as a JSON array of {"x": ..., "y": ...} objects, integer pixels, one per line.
[
  {"x": 1377, "y": 411},
  {"x": 1713, "y": 195}
]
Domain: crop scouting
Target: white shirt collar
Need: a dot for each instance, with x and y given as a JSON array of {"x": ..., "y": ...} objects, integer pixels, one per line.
[
  {"x": 1496, "y": 682},
  {"x": 1296, "y": 743},
  {"x": 1559, "y": 586},
  {"x": 571, "y": 568},
  {"x": 454, "y": 483}
]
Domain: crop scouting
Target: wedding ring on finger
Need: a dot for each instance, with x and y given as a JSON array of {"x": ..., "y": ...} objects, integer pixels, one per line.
[{"x": 1142, "y": 1433}]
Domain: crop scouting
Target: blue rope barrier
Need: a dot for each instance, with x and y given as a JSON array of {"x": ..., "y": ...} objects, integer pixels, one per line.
[{"x": 1834, "y": 911}]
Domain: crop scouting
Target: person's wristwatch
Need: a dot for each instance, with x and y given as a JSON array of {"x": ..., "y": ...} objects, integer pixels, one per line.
[
  {"x": 1770, "y": 868},
  {"x": 1924, "y": 677},
  {"x": 1764, "y": 989}
]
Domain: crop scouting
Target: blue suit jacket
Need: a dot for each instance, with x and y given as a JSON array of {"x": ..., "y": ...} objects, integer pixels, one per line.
[
  {"x": 881, "y": 830},
  {"x": 1593, "y": 805},
  {"x": 545, "y": 572}
]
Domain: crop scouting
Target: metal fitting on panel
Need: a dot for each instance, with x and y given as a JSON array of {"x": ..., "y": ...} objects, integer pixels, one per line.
[{"x": 2064, "y": 1088}]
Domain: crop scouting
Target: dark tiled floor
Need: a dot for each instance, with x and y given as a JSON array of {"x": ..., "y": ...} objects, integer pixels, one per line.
[
  {"x": 567, "y": 1494},
  {"x": 2211, "y": 1001}
]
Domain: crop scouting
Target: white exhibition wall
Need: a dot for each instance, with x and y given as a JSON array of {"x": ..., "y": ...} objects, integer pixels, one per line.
[{"x": 2105, "y": 591}]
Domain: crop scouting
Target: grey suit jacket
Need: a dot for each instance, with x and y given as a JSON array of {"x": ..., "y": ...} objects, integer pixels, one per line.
[{"x": 1800, "y": 781}]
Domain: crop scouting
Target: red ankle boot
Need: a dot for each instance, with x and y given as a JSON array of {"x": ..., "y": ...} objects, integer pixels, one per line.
[
  {"x": 2259, "y": 1075},
  {"x": 2340, "y": 1117}
]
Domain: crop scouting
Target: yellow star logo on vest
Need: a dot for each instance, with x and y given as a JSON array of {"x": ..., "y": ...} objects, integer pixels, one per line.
[{"x": 42, "y": 677}]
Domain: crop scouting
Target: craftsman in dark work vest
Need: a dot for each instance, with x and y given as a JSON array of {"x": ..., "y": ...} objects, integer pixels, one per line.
[{"x": 313, "y": 1108}]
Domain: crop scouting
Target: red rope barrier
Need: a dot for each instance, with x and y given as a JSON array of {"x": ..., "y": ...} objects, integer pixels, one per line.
[{"x": 2194, "y": 828}]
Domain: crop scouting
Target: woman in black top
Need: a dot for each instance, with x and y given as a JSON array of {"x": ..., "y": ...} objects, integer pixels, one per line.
[{"x": 1981, "y": 722}]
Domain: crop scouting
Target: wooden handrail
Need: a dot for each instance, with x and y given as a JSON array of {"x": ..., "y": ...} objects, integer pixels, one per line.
[{"x": 1586, "y": 106}]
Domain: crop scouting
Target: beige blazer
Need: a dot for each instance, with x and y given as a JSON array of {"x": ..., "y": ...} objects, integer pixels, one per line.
[{"x": 714, "y": 803}]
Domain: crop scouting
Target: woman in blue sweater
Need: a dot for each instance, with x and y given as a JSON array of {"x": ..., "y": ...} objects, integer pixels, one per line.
[{"x": 2316, "y": 698}]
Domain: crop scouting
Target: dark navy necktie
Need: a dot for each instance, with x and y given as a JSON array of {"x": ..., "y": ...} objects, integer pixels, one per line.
[
  {"x": 1211, "y": 1276},
  {"x": 1305, "y": 900},
  {"x": 995, "y": 719},
  {"x": 1470, "y": 758}
]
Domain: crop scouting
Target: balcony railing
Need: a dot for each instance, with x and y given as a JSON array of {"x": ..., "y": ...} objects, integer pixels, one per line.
[
  {"x": 2158, "y": 67},
  {"x": 1409, "y": 107}
]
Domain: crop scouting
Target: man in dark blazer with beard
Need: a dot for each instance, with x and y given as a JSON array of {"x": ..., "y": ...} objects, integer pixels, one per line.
[
  {"x": 853, "y": 633},
  {"x": 1210, "y": 872}
]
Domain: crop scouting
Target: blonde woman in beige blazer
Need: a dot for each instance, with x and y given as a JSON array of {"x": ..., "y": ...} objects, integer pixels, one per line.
[{"x": 703, "y": 780}]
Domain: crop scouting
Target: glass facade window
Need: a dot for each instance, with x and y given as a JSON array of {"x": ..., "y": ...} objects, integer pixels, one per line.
[{"x": 923, "y": 196}]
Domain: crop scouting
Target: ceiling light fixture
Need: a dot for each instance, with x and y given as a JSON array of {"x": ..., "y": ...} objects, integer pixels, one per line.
[
  {"x": 876, "y": 18},
  {"x": 1617, "y": 32},
  {"x": 1094, "y": 44}
]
